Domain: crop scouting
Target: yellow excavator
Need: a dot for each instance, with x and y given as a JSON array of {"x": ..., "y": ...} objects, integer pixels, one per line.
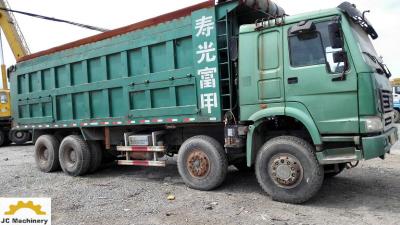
[{"x": 19, "y": 48}]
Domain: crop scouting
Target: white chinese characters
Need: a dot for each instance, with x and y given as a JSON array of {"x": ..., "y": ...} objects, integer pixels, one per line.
[
  {"x": 207, "y": 78},
  {"x": 206, "y": 51},
  {"x": 207, "y": 55},
  {"x": 204, "y": 26},
  {"x": 209, "y": 101}
]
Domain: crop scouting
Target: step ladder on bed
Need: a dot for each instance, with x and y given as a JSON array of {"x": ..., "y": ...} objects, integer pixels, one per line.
[{"x": 143, "y": 146}]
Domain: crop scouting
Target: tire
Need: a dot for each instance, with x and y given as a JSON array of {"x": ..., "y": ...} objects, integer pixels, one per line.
[
  {"x": 287, "y": 169},
  {"x": 396, "y": 116},
  {"x": 340, "y": 169},
  {"x": 74, "y": 156},
  {"x": 19, "y": 137},
  {"x": 213, "y": 167},
  {"x": 96, "y": 153},
  {"x": 46, "y": 153}
]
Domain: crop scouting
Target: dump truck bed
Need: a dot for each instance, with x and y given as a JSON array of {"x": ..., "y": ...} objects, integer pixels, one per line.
[{"x": 161, "y": 71}]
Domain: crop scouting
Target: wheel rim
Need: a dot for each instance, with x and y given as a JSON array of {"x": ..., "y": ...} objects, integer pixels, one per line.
[
  {"x": 285, "y": 170},
  {"x": 198, "y": 164},
  {"x": 19, "y": 134},
  {"x": 43, "y": 154},
  {"x": 70, "y": 157}
]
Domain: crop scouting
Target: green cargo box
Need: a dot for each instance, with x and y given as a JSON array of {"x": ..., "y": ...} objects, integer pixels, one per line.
[{"x": 165, "y": 70}]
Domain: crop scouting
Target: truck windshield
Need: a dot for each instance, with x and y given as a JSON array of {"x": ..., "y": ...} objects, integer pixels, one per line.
[
  {"x": 366, "y": 47},
  {"x": 364, "y": 42}
]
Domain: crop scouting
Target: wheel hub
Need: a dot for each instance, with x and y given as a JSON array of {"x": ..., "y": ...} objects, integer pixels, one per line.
[
  {"x": 286, "y": 171},
  {"x": 19, "y": 134},
  {"x": 198, "y": 164},
  {"x": 72, "y": 156},
  {"x": 46, "y": 154}
]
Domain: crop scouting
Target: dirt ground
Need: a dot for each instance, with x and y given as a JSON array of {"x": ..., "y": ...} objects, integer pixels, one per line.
[{"x": 368, "y": 194}]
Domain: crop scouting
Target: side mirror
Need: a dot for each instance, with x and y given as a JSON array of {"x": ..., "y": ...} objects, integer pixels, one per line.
[
  {"x": 339, "y": 57},
  {"x": 335, "y": 35},
  {"x": 336, "y": 61}
]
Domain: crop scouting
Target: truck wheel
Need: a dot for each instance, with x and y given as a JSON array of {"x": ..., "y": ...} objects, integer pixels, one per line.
[
  {"x": 19, "y": 137},
  {"x": 46, "y": 153},
  {"x": 202, "y": 163},
  {"x": 74, "y": 156},
  {"x": 341, "y": 167},
  {"x": 287, "y": 169},
  {"x": 96, "y": 153},
  {"x": 396, "y": 116}
]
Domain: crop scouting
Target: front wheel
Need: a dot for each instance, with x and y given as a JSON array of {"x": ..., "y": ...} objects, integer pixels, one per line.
[
  {"x": 202, "y": 163},
  {"x": 287, "y": 169}
]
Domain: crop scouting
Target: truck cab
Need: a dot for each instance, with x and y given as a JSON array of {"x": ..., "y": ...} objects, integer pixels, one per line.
[{"x": 319, "y": 71}]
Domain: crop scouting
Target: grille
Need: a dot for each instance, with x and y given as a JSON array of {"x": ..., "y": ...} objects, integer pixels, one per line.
[
  {"x": 388, "y": 121},
  {"x": 386, "y": 101},
  {"x": 387, "y": 106}
]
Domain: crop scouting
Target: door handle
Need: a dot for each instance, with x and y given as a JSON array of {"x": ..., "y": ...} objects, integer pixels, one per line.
[{"x": 293, "y": 80}]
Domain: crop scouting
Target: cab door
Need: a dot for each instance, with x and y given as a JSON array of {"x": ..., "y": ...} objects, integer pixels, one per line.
[
  {"x": 311, "y": 80},
  {"x": 260, "y": 70}
]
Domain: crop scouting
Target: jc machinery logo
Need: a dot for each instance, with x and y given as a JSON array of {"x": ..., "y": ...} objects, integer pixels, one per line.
[{"x": 25, "y": 211}]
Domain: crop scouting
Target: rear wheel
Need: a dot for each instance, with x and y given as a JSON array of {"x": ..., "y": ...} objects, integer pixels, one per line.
[
  {"x": 19, "y": 137},
  {"x": 46, "y": 153},
  {"x": 287, "y": 169},
  {"x": 202, "y": 163},
  {"x": 74, "y": 156}
]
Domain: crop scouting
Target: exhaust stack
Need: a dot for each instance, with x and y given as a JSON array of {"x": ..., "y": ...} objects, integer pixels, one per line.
[{"x": 266, "y": 6}]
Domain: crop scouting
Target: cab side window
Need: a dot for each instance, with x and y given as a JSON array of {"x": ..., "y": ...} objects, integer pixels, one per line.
[
  {"x": 312, "y": 48},
  {"x": 306, "y": 50}
]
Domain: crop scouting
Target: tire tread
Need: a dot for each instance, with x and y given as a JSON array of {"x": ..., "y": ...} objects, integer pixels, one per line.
[
  {"x": 305, "y": 145},
  {"x": 86, "y": 156}
]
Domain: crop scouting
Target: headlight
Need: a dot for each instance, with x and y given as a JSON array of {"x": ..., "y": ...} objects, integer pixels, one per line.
[{"x": 373, "y": 124}]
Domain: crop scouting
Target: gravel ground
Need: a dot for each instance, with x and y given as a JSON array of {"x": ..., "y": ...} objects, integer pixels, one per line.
[{"x": 368, "y": 194}]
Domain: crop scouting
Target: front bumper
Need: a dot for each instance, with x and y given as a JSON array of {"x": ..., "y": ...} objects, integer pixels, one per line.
[
  {"x": 378, "y": 146},
  {"x": 371, "y": 147}
]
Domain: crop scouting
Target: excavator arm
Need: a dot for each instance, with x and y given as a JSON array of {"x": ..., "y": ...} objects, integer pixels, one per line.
[
  {"x": 14, "y": 37},
  {"x": 12, "y": 32}
]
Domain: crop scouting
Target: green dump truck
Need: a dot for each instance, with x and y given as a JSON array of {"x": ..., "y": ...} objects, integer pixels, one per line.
[{"x": 239, "y": 83}]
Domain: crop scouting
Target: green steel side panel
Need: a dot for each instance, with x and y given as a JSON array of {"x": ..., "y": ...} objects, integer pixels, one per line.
[
  {"x": 166, "y": 73},
  {"x": 206, "y": 63}
]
